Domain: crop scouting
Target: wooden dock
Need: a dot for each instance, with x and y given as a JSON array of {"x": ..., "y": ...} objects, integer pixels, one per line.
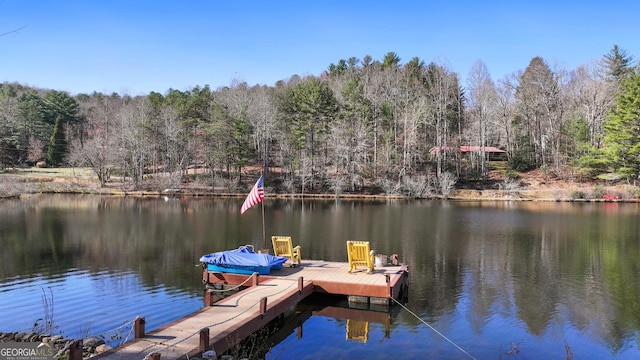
[{"x": 226, "y": 322}]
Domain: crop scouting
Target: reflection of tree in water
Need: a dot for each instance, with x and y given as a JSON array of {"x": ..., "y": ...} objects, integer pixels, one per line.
[
  {"x": 548, "y": 269},
  {"x": 437, "y": 277},
  {"x": 256, "y": 345},
  {"x": 558, "y": 270},
  {"x": 575, "y": 266},
  {"x": 35, "y": 243},
  {"x": 535, "y": 285}
]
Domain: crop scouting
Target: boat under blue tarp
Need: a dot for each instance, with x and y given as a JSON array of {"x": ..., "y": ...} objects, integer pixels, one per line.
[{"x": 242, "y": 261}]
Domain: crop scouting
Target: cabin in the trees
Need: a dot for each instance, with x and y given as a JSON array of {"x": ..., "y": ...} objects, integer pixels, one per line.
[{"x": 492, "y": 153}]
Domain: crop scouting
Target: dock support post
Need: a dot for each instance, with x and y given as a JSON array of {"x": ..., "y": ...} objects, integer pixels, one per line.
[
  {"x": 154, "y": 356},
  {"x": 204, "y": 339},
  {"x": 387, "y": 278},
  {"x": 263, "y": 306},
  {"x": 300, "y": 285},
  {"x": 138, "y": 327},
  {"x": 210, "y": 297},
  {"x": 75, "y": 351}
]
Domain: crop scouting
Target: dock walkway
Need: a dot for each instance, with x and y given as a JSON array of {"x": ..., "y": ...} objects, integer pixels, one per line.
[{"x": 225, "y": 323}]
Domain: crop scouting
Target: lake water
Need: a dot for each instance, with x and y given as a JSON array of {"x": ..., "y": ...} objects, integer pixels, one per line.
[{"x": 500, "y": 280}]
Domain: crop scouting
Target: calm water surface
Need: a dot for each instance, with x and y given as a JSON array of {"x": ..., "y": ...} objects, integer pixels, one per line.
[{"x": 500, "y": 280}]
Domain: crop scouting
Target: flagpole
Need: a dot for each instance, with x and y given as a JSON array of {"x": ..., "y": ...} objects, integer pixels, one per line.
[{"x": 264, "y": 233}]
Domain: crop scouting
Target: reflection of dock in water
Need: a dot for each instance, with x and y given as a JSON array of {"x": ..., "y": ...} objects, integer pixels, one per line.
[{"x": 357, "y": 320}]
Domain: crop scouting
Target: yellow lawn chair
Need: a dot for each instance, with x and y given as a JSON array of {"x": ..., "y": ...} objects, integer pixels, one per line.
[
  {"x": 360, "y": 254},
  {"x": 282, "y": 247}
]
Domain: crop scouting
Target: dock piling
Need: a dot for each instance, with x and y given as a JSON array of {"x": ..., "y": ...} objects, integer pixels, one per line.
[
  {"x": 263, "y": 306},
  {"x": 138, "y": 327},
  {"x": 75, "y": 351},
  {"x": 208, "y": 298},
  {"x": 204, "y": 339}
]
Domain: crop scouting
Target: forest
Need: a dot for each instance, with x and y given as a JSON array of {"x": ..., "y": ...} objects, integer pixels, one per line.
[{"x": 361, "y": 126}]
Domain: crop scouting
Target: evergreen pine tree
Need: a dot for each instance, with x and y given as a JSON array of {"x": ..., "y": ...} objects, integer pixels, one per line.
[
  {"x": 618, "y": 64},
  {"x": 622, "y": 129}
]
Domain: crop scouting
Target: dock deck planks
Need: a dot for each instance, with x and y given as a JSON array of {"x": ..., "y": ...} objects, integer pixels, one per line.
[{"x": 334, "y": 278}]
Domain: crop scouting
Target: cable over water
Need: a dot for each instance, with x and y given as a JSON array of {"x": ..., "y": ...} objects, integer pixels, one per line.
[{"x": 434, "y": 329}]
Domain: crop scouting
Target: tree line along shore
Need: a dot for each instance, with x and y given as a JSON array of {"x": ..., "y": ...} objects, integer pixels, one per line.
[{"x": 363, "y": 127}]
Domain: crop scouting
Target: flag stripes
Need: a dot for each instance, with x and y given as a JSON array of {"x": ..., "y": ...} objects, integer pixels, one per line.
[{"x": 255, "y": 196}]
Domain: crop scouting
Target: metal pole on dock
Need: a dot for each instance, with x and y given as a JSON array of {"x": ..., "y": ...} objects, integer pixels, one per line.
[{"x": 264, "y": 233}]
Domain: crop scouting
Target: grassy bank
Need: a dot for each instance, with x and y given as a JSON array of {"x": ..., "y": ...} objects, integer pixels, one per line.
[{"x": 16, "y": 182}]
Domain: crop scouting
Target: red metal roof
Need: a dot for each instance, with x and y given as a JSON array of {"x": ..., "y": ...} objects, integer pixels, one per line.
[{"x": 467, "y": 148}]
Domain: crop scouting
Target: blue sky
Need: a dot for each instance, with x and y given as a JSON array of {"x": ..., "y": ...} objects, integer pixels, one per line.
[{"x": 134, "y": 47}]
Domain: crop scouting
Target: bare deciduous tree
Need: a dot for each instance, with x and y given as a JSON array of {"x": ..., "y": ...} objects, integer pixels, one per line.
[
  {"x": 540, "y": 105},
  {"x": 482, "y": 104},
  {"x": 262, "y": 117},
  {"x": 505, "y": 92},
  {"x": 445, "y": 183},
  {"x": 132, "y": 146},
  {"x": 96, "y": 147},
  {"x": 592, "y": 96},
  {"x": 443, "y": 92}
]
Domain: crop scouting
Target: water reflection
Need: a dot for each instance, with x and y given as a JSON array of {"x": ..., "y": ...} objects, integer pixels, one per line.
[{"x": 486, "y": 273}]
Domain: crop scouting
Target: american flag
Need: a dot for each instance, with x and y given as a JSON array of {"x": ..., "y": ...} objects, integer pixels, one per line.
[{"x": 255, "y": 196}]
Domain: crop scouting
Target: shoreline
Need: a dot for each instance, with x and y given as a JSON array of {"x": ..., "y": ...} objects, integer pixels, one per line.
[
  {"x": 454, "y": 197},
  {"x": 21, "y": 183}
]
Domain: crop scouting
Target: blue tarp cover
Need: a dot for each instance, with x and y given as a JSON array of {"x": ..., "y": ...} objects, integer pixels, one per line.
[{"x": 243, "y": 257}]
